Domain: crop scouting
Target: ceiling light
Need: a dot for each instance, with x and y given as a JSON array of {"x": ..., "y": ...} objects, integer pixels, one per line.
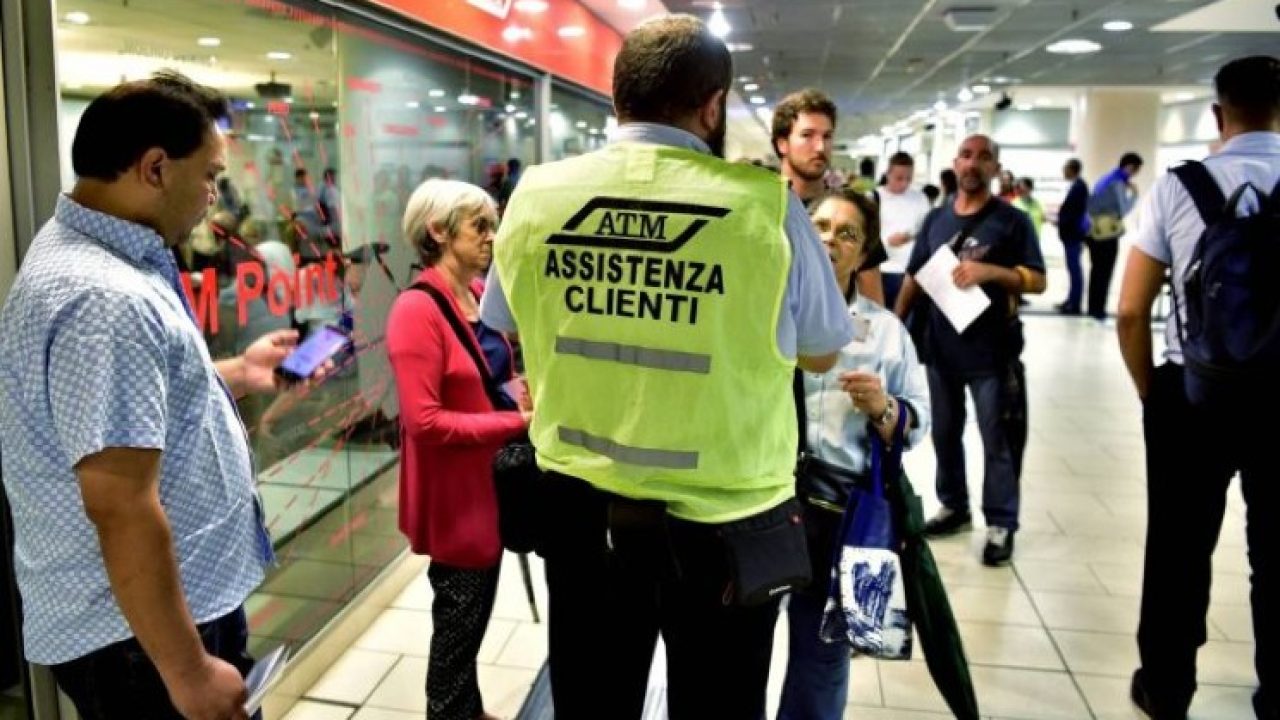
[
  {"x": 288, "y": 101},
  {"x": 739, "y": 47},
  {"x": 1184, "y": 96},
  {"x": 758, "y": 100},
  {"x": 522, "y": 115},
  {"x": 745, "y": 79},
  {"x": 1073, "y": 46},
  {"x": 632, "y": 4},
  {"x": 981, "y": 89},
  {"x": 440, "y": 108},
  {"x": 515, "y": 95},
  {"x": 751, "y": 87},
  {"x": 413, "y": 105},
  {"x": 940, "y": 105},
  {"x": 436, "y": 93},
  {"x": 1117, "y": 25},
  {"x": 77, "y": 18},
  {"x": 208, "y": 41},
  {"x": 571, "y": 31},
  {"x": 510, "y": 108},
  {"x": 313, "y": 115},
  {"x": 279, "y": 55},
  {"x": 719, "y": 24},
  {"x": 531, "y": 6},
  {"x": 468, "y": 99},
  {"x": 965, "y": 95},
  {"x": 580, "y": 124}
]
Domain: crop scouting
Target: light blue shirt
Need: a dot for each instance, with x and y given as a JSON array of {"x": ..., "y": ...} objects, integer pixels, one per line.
[
  {"x": 836, "y": 432},
  {"x": 815, "y": 323},
  {"x": 1169, "y": 224},
  {"x": 98, "y": 350}
]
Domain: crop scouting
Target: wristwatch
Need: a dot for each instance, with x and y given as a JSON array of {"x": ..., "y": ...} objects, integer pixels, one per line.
[{"x": 890, "y": 412}]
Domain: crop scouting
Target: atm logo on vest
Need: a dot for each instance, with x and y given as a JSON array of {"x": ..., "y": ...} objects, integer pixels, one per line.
[{"x": 621, "y": 252}]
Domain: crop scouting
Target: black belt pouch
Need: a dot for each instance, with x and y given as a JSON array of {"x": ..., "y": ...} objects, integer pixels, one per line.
[{"x": 767, "y": 555}]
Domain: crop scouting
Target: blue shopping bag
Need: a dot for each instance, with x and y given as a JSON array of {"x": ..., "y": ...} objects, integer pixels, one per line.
[{"x": 866, "y": 598}]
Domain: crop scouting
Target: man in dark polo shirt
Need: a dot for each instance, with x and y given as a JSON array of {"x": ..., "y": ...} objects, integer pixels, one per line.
[{"x": 998, "y": 252}]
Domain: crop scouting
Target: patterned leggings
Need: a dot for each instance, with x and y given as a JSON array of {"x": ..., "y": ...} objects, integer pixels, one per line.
[{"x": 459, "y": 615}]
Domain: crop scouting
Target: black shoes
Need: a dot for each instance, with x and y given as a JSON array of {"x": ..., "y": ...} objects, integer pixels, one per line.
[
  {"x": 1141, "y": 697},
  {"x": 1065, "y": 309},
  {"x": 948, "y": 522},
  {"x": 999, "y": 547}
]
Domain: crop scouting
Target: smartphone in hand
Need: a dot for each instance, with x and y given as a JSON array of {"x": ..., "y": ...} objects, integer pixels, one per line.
[{"x": 317, "y": 349}]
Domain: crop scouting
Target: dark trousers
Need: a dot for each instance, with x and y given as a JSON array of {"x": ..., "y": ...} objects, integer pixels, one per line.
[
  {"x": 1003, "y": 440},
  {"x": 1191, "y": 458},
  {"x": 460, "y": 608},
  {"x": 892, "y": 283},
  {"x": 613, "y": 589},
  {"x": 1102, "y": 263},
  {"x": 1071, "y": 248},
  {"x": 119, "y": 682}
]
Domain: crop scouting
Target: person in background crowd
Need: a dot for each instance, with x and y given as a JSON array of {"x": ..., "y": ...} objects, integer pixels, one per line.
[
  {"x": 950, "y": 186},
  {"x": 865, "y": 182},
  {"x": 1008, "y": 186},
  {"x": 876, "y": 378},
  {"x": 1193, "y": 453},
  {"x": 1027, "y": 202},
  {"x": 450, "y": 433},
  {"x": 902, "y": 211},
  {"x": 998, "y": 253},
  {"x": 1073, "y": 225},
  {"x": 1112, "y": 199},
  {"x": 804, "y": 125},
  {"x": 138, "y": 531},
  {"x": 932, "y": 193},
  {"x": 647, "y": 485}
]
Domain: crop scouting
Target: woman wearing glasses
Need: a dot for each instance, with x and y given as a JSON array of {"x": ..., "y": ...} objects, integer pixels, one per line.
[{"x": 876, "y": 378}]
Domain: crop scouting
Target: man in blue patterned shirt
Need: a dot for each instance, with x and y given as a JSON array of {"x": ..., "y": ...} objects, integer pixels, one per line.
[{"x": 138, "y": 529}]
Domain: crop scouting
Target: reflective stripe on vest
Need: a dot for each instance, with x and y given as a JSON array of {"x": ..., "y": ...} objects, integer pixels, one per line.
[
  {"x": 645, "y": 457},
  {"x": 635, "y": 355}
]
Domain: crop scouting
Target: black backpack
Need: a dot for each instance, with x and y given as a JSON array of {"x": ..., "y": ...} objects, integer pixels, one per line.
[{"x": 1231, "y": 339}]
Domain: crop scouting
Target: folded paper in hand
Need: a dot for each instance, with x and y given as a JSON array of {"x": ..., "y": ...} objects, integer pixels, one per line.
[
  {"x": 263, "y": 675},
  {"x": 960, "y": 306}
]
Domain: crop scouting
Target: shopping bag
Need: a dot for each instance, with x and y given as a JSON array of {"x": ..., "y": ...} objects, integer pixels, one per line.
[{"x": 866, "y": 600}]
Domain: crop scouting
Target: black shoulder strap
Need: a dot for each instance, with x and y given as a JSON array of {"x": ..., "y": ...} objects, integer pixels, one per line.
[
  {"x": 464, "y": 338},
  {"x": 1203, "y": 189},
  {"x": 973, "y": 223}
]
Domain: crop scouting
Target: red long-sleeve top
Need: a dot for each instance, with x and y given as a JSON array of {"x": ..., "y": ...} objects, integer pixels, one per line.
[{"x": 449, "y": 433}]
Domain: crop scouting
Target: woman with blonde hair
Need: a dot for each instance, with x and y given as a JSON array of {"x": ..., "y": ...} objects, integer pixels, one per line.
[{"x": 450, "y": 430}]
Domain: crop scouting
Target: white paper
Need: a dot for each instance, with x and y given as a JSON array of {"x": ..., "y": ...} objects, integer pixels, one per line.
[
  {"x": 263, "y": 675},
  {"x": 960, "y": 306}
]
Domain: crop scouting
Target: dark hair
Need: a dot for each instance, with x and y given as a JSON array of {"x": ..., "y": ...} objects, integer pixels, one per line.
[
  {"x": 299, "y": 173},
  {"x": 870, "y": 212},
  {"x": 1027, "y": 182},
  {"x": 950, "y": 184},
  {"x": 932, "y": 192},
  {"x": 1074, "y": 165},
  {"x": 867, "y": 167},
  {"x": 792, "y": 106},
  {"x": 168, "y": 111},
  {"x": 1250, "y": 87},
  {"x": 668, "y": 68},
  {"x": 901, "y": 159},
  {"x": 1130, "y": 158}
]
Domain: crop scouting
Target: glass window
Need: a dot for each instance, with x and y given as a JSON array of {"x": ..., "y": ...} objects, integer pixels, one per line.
[
  {"x": 580, "y": 122},
  {"x": 334, "y": 123}
]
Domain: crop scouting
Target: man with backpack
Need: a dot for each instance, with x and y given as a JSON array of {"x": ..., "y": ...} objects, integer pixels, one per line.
[{"x": 1222, "y": 354}]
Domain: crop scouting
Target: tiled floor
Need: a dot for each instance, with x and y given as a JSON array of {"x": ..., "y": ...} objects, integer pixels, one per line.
[{"x": 1049, "y": 637}]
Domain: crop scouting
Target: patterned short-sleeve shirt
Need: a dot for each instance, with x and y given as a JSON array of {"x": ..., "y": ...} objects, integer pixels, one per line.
[{"x": 98, "y": 350}]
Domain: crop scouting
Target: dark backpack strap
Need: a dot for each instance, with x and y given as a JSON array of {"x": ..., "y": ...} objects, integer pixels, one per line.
[
  {"x": 465, "y": 338},
  {"x": 1203, "y": 189}
]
